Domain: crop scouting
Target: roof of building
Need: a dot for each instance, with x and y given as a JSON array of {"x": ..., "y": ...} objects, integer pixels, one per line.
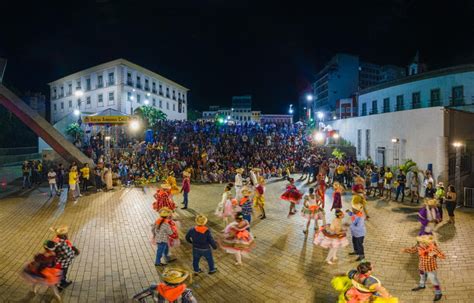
[
  {"x": 109, "y": 64},
  {"x": 421, "y": 76}
]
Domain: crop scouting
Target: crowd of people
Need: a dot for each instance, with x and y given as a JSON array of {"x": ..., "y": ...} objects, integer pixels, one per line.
[{"x": 245, "y": 158}]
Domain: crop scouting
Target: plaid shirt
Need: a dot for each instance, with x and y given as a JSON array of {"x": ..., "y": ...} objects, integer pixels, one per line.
[
  {"x": 162, "y": 233},
  {"x": 427, "y": 256},
  {"x": 64, "y": 252}
]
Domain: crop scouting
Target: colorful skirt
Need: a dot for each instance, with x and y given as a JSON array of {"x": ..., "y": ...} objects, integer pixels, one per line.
[
  {"x": 259, "y": 201},
  {"x": 327, "y": 240},
  {"x": 224, "y": 210},
  {"x": 234, "y": 244},
  {"x": 349, "y": 294},
  {"x": 292, "y": 196},
  {"x": 315, "y": 214},
  {"x": 49, "y": 276}
]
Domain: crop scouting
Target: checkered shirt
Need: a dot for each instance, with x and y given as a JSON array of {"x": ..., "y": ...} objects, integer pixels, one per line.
[
  {"x": 162, "y": 233},
  {"x": 427, "y": 256},
  {"x": 64, "y": 253}
]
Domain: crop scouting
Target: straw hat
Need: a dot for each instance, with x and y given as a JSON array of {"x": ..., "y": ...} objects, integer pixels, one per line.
[
  {"x": 49, "y": 245},
  {"x": 165, "y": 212},
  {"x": 60, "y": 230},
  {"x": 186, "y": 174},
  {"x": 165, "y": 186},
  {"x": 256, "y": 169},
  {"x": 201, "y": 220},
  {"x": 246, "y": 192},
  {"x": 431, "y": 202},
  {"x": 425, "y": 239},
  {"x": 174, "y": 275},
  {"x": 357, "y": 206},
  {"x": 261, "y": 180},
  {"x": 239, "y": 170}
]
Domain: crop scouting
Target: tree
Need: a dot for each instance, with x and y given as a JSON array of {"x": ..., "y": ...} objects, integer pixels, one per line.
[
  {"x": 338, "y": 153},
  {"x": 150, "y": 115},
  {"x": 74, "y": 130}
]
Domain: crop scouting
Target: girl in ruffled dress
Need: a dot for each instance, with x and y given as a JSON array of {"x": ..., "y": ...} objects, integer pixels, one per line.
[
  {"x": 225, "y": 208},
  {"x": 332, "y": 236},
  {"x": 292, "y": 195},
  {"x": 312, "y": 210},
  {"x": 237, "y": 239},
  {"x": 337, "y": 196}
]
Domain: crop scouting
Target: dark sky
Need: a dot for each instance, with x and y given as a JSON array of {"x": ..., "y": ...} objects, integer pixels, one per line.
[{"x": 224, "y": 48}]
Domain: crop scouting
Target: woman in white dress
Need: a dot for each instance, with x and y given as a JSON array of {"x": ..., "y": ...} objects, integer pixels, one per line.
[
  {"x": 225, "y": 208},
  {"x": 332, "y": 236}
]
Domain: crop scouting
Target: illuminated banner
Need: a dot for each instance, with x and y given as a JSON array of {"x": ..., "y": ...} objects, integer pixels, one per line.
[{"x": 106, "y": 119}]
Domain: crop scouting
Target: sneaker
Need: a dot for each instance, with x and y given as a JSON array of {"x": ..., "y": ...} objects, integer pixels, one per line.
[
  {"x": 184, "y": 208},
  {"x": 65, "y": 284},
  {"x": 360, "y": 258},
  {"x": 437, "y": 297},
  {"x": 352, "y": 253},
  {"x": 212, "y": 271},
  {"x": 171, "y": 259},
  {"x": 161, "y": 264},
  {"x": 198, "y": 272},
  {"x": 418, "y": 288}
]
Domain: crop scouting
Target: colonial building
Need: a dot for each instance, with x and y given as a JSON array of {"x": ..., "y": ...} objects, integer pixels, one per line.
[{"x": 120, "y": 85}]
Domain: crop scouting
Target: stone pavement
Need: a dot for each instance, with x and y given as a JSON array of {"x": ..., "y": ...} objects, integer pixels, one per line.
[{"x": 112, "y": 230}]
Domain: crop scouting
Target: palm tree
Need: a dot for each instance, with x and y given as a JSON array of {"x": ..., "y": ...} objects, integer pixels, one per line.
[
  {"x": 150, "y": 115},
  {"x": 74, "y": 130}
]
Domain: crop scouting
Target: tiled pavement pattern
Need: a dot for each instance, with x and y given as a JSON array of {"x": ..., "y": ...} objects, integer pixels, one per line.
[{"x": 112, "y": 231}]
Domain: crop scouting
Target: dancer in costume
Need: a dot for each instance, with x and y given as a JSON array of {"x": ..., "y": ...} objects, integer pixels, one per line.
[
  {"x": 201, "y": 238},
  {"x": 165, "y": 233},
  {"x": 172, "y": 289},
  {"x": 42, "y": 271},
  {"x": 428, "y": 253},
  {"x": 65, "y": 253},
  {"x": 292, "y": 195},
  {"x": 428, "y": 216},
  {"x": 359, "y": 286},
  {"x": 171, "y": 181},
  {"x": 163, "y": 198},
  {"x": 186, "y": 188},
  {"x": 358, "y": 197},
  {"x": 337, "y": 196},
  {"x": 358, "y": 231},
  {"x": 259, "y": 197},
  {"x": 312, "y": 210},
  {"x": 225, "y": 208},
  {"x": 239, "y": 183},
  {"x": 237, "y": 239},
  {"x": 245, "y": 204},
  {"x": 332, "y": 236}
]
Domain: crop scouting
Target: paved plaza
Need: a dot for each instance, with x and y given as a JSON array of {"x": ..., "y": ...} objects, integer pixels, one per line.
[{"x": 112, "y": 230}]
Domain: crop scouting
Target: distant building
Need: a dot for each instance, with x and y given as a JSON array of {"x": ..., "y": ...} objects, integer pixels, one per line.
[
  {"x": 275, "y": 118},
  {"x": 346, "y": 108},
  {"x": 120, "y": 85},
  {"x": 36, "y": 101},
  {"x": 241, "y": 110},
  {"x": 344, "y": 75}
]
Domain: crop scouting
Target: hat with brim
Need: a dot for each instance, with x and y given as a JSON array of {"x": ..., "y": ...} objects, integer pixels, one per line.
[
  {"x": 165, "y": 212},
  {"x": 239, "y": 170},
  {"x": 246, "y": 192},
  {"x": 425, "y": 239},
  {"x": 186, "y": 174},
  {"x": 201, "y": 220},
  {"x": 174, "y": 275},
  {"x": 61, "y": 230},
  {"x": 165, "y": 186},
  {"x": 357, "y": 206},
  {"x": 431, "y": 202}
]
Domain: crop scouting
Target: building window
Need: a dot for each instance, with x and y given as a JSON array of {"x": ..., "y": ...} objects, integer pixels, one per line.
[
  {"x": 167, "y": 105},
  {"x": 364, "y": 109},
  {"x": 70, "y": 103},
  {"x": 62, "y": 92},
  {"x": 100, "y": 100},
  {"x": 78, "y": 85},
  {"x": 400, "y": 105},
  {"x": 111, "y": 79},
  {"x": 88, "y": 102},
  {"x": 88, "y": 84},
  {"x": 139, "y": 82},
  {"x": 55, "y": 107},
  {"x": 138, "y": 98},
  {"x": 167, "y": 92},
  {"x": 147, "y": 87},
  {"x": 359, "y": 142},
  {"x": 111, "y": 98},
  {"x": 79, "y": 103},
  {"x": 457, "y": 97},
  {"x": 386, "y": 105},
  {"x": 435, "y": 97},
  {"x": 153, "y": 87},
  {"x": 161, "y": 90},
  {"x": 129, "y": 79},
  {"x": 54, "y": 93},
  {"x": 180, "y": 106},
  {"x": 154, "y": 102},
  {"x": 100, "y": 81},
  {"x": 374, "y": 108},
  {"x": 69, "y": 89},
  {"x": 367, "y": 143},
  {"x": 129, "y": 96},
  {"x": 174, "y": 95},
  {"x": 174, "y": 107},
  {"x": 62, "y": 106},
  {"x": 416, "y": 100}
]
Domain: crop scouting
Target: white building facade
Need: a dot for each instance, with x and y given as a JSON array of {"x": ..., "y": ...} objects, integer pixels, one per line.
[{"x": 120, "y": 85}]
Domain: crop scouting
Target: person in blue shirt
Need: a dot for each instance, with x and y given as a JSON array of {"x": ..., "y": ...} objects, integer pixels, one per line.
[
  {"x": 357, "y": 230},
  {"x": 201, "y": 238},
  {"x": 374, "y": 181}
]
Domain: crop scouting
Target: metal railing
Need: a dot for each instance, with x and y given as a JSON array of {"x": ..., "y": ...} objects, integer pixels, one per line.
[{"x": 468, "y": 197}]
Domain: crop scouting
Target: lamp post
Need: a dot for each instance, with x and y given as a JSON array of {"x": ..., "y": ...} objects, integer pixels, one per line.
[
  {"x": 309, "y": 98},
  {"x": 457, "y": 174},
  {"x": 291, "y": 111},
  {"x": 396, "y": 151}
]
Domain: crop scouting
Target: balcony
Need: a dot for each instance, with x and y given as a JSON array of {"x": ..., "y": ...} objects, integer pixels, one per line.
[
  {"x": 399, "y": 107},
  {"x": 364, "y": 113},
  {"x": 435, "y": 102},
  {"x": 167, "y": 95},
  {"x": 110, "y": 83},
  {"x": 153, "y": 91},
  {"x": 147, "y": 88},
  {"x": 139, "y": 86},
  {"x": 456, "y": 101},
  {"x": 100, "y": 85},
  {"x": 129, "y": 82},
  {"x": 161, "y": 93},
  {"x": 386, "y": 109},
  {"x": 416, "y": 105}
]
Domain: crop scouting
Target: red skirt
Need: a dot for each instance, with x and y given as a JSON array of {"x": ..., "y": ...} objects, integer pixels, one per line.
[{"x": 292, "y": 196}]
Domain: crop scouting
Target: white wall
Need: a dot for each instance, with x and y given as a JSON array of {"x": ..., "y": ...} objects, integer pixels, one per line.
[{"x": 421, "y": 134}]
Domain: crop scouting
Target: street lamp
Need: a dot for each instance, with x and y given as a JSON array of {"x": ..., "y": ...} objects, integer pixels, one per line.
[
  {"x": 396, "y": 151},
  {"x": 457, "y": 174},
  {"x": 147, "y": 102},
  {"x": 320, "y": 115},
  {"x": 77, "y": 112},
  {"x": 134, "y": 125},
  {"x": 319, "y": 137},
  {"x": 78, "y": 93},
  {"x": 309, "y": 97},
  {"x": 291, "y": 109},
  {"x": 335, "y": 136}
]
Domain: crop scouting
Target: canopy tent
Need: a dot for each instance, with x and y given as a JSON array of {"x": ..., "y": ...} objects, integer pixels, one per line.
[{"x": 108, "y": 116}]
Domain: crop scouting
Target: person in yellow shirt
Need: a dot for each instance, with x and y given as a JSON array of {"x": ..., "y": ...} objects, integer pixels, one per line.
[
  {"x": 85, "y": 175},
  {"x": 388, "y": 179},
  {"x": 73, "y": 182}
]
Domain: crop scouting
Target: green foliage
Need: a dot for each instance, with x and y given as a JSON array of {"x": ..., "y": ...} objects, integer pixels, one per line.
[
  {"x": 409, "y": 165},
  {"x": 194, "y": 115},
  {"x": 150, "y": 115},
  {"x": 364, "y": 163},
  {"x": 74, "y": 130},
  {"x": 344, "y": 142},
  {"x": 338, "y": 153}
]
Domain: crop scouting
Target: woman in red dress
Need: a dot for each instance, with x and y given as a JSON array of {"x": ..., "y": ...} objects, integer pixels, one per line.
[{"x": 292, "y": 195}]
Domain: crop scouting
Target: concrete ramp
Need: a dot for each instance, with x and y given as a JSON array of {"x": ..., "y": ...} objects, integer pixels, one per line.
[{"x": 42, "y": 128}]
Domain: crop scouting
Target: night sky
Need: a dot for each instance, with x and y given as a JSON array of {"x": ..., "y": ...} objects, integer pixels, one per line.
[{"x": 223, "y": 48}]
